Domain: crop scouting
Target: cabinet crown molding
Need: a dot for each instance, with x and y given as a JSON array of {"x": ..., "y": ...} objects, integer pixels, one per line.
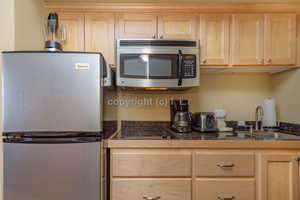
[{"x": 175, "y": 7}]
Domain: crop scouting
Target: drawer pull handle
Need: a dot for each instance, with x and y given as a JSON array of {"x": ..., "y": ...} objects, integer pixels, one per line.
[
  {"x": 151, "y": 198},
  {"x": 223, "y": 198},
  {"x": 225, "y": 166}
]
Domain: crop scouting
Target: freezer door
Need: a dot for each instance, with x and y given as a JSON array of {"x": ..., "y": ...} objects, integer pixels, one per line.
[
  {"x": 52, "y": 171},
  {"x": 52, "y": 92}
]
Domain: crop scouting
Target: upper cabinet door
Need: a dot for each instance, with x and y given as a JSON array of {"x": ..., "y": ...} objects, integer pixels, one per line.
[
  {"x": 177, "y": 26},
  {"x": 280, "y": 39},
  {"x": 136, "y": 25},
  {"x": 99, "y": 34},
  {"x": 75, "y": 31},
  {"x": 214, "y": 39},
  {"x": 247, "y": 39}
]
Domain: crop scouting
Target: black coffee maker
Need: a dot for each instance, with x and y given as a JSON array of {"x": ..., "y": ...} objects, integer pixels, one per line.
[{"x": 181, "y": 118}]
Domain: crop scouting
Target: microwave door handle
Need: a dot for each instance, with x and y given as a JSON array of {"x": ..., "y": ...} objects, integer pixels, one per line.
[{"x": 180, "y": 67}]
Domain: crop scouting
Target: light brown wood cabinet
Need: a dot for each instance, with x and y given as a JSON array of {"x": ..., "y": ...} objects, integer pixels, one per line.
[
  {"x": 253, "y": 36},
  {"x": 214, "y": 39},
  {"x": 229, "y": 164},
  {"x": 195, "y": 174},
  {"x": 136, "y": 25},
  {"x": 280, "y": 39},
  {"x": 160, "y": 188},
  {"x": 248, "y": 39},
  {"x": 225, "y": 189},
  {"x": 145, "y": 163},
  {"x": 138, "y": 173},
  {"x": 253, "y": 40},
  {"x": 182, "y": 174},
  {"x": 177, "y": 26},
  {"x": 75, "y": 31},
  {"x": 166, "y": 26},
  {"x": 279, "y": 176},
  {"x": 264, "y": 39},
  {"x": 99, "y": 34}
]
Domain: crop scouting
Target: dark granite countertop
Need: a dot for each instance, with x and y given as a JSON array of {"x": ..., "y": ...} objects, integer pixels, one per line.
[
  {"x": 109, "y": 128},
  {"x": 161, "y": 131},
  {"x": 167, "y": 134}
]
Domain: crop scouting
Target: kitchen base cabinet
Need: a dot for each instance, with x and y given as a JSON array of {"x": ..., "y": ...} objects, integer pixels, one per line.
[
  {"x": 279, "y": 176},
  {"x": 151, "y": 163},
  {"x": 151, "y": 188},
  {"x": 205, "y": 174},
  {"x": 229, "y": 164},
  {"x": 225, "y": 189}
]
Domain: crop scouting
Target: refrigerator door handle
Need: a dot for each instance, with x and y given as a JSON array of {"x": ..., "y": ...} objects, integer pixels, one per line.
[{"x": 52, "y": 140}]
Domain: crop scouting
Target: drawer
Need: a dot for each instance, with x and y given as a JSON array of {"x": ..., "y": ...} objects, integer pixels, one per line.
[
  {"x": 137, "y": 188},
  {"x": 225, "y": 189},
  {"x": 211, "y": 164},
  {"x": 151, "y": 163}
]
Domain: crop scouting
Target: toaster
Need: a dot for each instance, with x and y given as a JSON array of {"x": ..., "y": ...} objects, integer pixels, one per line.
[{"x": 204, "y": 122}]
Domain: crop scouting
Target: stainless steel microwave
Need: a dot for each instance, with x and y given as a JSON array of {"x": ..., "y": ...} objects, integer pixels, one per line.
[{"x": 147, "y": 63}]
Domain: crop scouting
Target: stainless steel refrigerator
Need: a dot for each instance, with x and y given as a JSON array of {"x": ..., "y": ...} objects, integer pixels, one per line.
[{"x": 52, "y": 125}]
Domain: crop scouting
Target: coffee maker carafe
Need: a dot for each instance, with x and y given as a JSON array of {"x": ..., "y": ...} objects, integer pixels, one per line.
[
  {"x": 181, "y": 120},
  {"x": 54, "y": 33}
]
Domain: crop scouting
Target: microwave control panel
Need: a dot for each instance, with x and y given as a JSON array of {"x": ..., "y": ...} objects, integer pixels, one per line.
[{"x": 189, "y": 66}]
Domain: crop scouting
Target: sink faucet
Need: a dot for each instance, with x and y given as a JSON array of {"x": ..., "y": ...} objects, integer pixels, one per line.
[{"x": 259, "y": 113}]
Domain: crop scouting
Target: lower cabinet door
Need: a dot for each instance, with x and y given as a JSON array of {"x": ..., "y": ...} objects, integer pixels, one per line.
[
  {"x": 151, "y": 188},
  {"x": 225, "y": 189},
  {"x": 279, "y": 173}
]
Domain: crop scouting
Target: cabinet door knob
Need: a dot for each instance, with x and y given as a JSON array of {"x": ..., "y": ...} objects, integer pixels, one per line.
[
  {"x": 151, "y": 198},
  {"x": 296, "y": 158},
  {"x": 225, "y": 198},
  {"x": 261, "y": 61},
  {"x": 154, "y": 36},
  {"x": 161, "y": 37},
  {"x": 204, "y": 61},
  {"x": 225, "y": 166},
  {"x": 269, "y": 60}
]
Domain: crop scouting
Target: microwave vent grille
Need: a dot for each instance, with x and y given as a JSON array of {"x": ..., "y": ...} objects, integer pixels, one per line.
[{"x": 158, "y": 43}]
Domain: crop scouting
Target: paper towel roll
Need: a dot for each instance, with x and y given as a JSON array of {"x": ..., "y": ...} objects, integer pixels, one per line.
[{"x": 269, "y": 118}]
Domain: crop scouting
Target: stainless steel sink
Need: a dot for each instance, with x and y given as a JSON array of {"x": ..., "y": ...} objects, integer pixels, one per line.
[{"x": 264, "y": 135}]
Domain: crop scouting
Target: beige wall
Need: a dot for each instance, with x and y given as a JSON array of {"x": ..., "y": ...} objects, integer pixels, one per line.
[
  {"x": 30, "y": 16},
  {"x": 7, "y": 42},
  {"x": 238, "y": 94},
  {"x": 286, "y": 91}
]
